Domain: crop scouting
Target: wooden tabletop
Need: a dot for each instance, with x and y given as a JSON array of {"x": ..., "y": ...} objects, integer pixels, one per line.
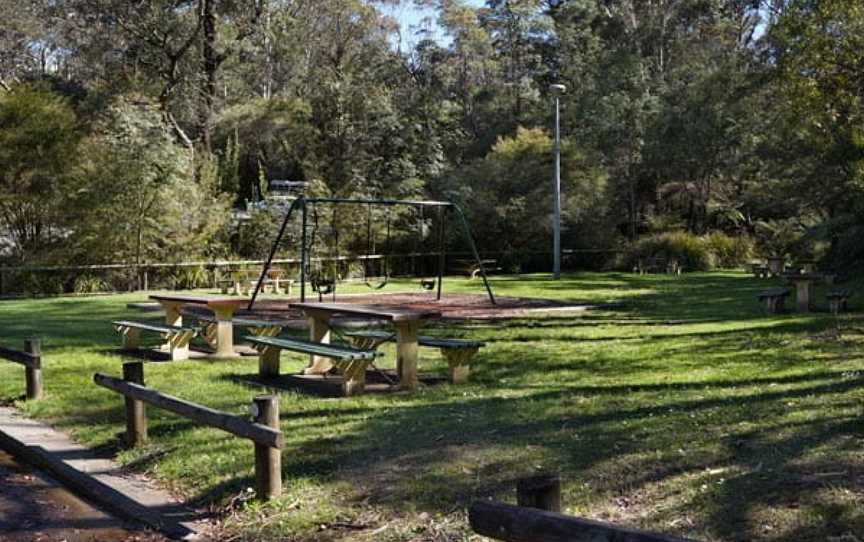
[
  {"x": 394, "y": 313},
  {"x": 201, "y": 300}
]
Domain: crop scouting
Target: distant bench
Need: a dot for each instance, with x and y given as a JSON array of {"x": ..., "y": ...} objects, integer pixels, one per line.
[
  {"x": 457, "y": 352},
  {"x": 838, "y": 300},
  {"x": 472, "y": 268},
  {"x": 774, "y": 299},
  {"x": 176, "y": 338},
  {"x": 351, "y": 362},
  {"x": 760, "y": 271},
  {"x": 246, "y": 286}
]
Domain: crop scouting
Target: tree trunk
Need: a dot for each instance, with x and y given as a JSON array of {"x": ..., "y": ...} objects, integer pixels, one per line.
[{"x": 211, "y": 63}]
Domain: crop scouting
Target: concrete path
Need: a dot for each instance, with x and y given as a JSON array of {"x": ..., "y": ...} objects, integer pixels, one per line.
[{"x": 99, "y": 480}]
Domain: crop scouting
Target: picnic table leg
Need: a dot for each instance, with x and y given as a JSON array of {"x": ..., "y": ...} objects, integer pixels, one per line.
[
  {"x": 172, "y": 313},
  {"x": 172, "y": 318},
  {"x": 224, "y": 330},
  {"x": 459, "y": 362},
  {"x": 319, "y": 332},
  {"x": 803, "y": 296},
  {"x": 406, "y": 354}
]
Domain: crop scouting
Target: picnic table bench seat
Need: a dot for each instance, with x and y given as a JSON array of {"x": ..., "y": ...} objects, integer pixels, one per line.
[
  {"x": 177, "y": 338},
  {"x": 457, "y": 352},
  {"x": 257, "y": 327},
  {"x": 838, "y": 300},
  {"x": 774, "y": 299},
  {"x": 351, "y": 362}
]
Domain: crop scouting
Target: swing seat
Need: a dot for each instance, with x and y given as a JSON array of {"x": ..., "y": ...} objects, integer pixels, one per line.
[
  {"x": 376, "y": 283},
  {"x": 323, "y": 287}
]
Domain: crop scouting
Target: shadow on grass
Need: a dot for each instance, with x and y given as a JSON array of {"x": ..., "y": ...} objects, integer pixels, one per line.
[{"x": 439, "y": 455}]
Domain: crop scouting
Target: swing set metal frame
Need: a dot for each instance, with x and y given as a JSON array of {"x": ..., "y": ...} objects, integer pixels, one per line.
[{"x": 302, "y": 204}]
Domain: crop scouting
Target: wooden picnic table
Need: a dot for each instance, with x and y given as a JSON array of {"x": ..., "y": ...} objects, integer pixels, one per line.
[
  {"x": 803, "y": 287},
  {"x": 223, "y": 308},
  {"x": 406, "y": 321}
]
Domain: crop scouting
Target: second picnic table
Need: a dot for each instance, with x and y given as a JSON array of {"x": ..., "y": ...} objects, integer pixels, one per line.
[
  {"x": 803, "y": 285},
  {"x": 223, "y": 309},
  {"x": 406, "y": 321}
]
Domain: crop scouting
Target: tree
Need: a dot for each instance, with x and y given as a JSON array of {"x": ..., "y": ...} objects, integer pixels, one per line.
[
  {"x": 136, "y": 197},
  {"x": 39, "y": 137}
]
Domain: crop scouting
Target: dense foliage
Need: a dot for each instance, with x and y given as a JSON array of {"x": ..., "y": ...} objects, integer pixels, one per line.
[{"x": 123, "y": 125}]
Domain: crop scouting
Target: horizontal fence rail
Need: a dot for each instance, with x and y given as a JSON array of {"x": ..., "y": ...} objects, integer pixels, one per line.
[
  {"x": 537, "y": 518},
  {"x": 141, "y": 276},
  {"x": 264, "y": 432},
  {"x": 31, "y": 359},
  {"x": 511, "y": 523}
]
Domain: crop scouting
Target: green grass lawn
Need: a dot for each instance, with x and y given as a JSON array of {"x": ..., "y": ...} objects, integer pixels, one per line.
[{"x": 684, "y": 410}]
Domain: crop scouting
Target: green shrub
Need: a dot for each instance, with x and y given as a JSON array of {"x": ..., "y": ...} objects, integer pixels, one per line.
[
  {"x": 690, "y": 251},
  {"x": 89, "y": 284},
  {"x": 189, "y": 278},
  {"x": 730, "y": 252}
]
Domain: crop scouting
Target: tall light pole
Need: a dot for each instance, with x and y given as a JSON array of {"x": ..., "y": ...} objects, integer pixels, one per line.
[{"x": 557, "y": 91}]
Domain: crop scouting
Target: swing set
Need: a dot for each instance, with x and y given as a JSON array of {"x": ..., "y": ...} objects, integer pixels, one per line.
[{"x": 312, "y": 269}]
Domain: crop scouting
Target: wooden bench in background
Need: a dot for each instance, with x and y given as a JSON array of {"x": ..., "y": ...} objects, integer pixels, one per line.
[
  {"x": 244, "y": 283},
  {"x": 472, "y": 267},
  {"x": 176, "y": 338},
  {"x": 774, "y": 299},
  {"x": 457, "y": 352},
  {"x": 838, "y": 300},
  {"x": 760, "y": 271},
  {"x": 351, "y": 362}
]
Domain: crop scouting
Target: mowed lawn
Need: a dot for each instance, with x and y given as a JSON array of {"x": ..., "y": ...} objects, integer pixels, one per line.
[{"x": 682, "y": 408}]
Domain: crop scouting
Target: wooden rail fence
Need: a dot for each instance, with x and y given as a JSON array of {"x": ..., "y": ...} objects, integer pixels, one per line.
[
  {"x": 537, "y": 518},
  {"x": 264, "y": 431},
  {"x": 31, "y": 359}
]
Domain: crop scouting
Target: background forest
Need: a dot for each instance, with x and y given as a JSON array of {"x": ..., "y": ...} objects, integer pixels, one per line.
[{"x": 130, "y": 129}]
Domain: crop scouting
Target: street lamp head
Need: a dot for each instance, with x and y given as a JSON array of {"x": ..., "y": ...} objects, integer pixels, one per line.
[{"x": 557, "y": 90}]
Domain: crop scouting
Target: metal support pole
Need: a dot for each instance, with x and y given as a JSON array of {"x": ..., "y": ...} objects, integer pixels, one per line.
[
  {"x": 467, "y": 229},
  {"x": 273, "y": 250},
  {"x": 441, "y": 250},
  {"x": 303, "y": 254},
  {"x": 556, "y": 225}
]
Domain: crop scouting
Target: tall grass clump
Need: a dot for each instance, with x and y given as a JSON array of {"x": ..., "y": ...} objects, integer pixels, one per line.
[
  {"x": 730, "y": 252},
  {"x": 691, "y": 252}
]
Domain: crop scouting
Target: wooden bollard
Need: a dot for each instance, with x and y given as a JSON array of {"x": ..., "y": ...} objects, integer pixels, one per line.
[
  {"x": 33, "y": 372},
  {"x": 268, "y": 461},
  {"x": 136, "y": 418},
  {"x": 542, "y": 491}
]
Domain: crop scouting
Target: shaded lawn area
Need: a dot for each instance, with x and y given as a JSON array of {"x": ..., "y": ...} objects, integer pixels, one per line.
[{"x": 685, "y": 410}]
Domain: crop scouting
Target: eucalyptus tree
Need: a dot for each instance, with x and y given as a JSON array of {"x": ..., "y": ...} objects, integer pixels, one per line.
[{"x": 817, "y": 52}]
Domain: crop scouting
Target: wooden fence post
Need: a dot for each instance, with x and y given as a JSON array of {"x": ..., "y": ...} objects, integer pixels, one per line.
[
  {"x": 136, "y": 418},
  {"x": 268, "y": 461},
  {"x": 33, "y": 374},
  {"x": 542, "y": 491}
]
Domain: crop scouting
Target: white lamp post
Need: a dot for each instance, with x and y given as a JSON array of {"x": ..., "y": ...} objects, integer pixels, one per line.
[{"x": 557, "y": 91}]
